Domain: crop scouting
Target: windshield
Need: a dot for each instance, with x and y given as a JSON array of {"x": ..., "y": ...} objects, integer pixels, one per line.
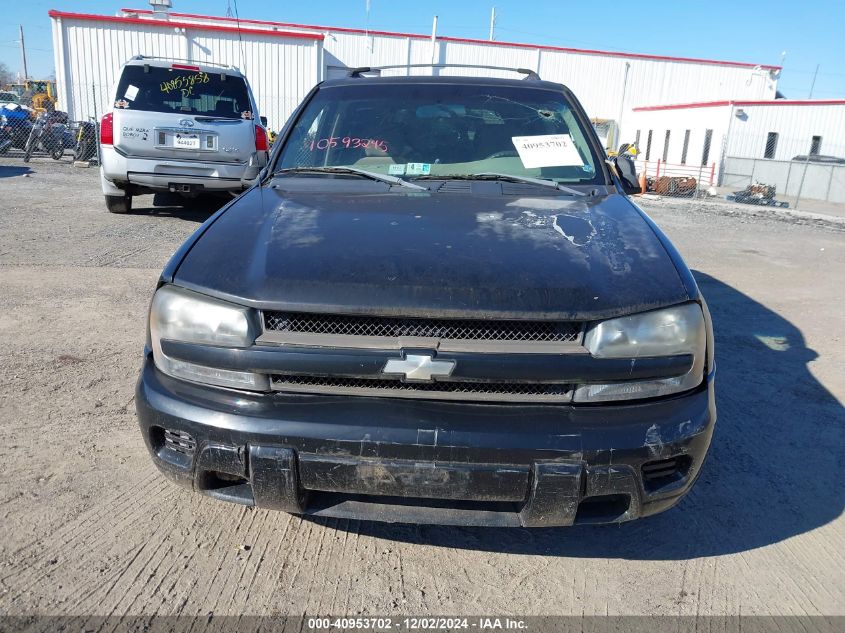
[
  {"x": 183, "y": 91},
  {"x": 443, "y": 130}
]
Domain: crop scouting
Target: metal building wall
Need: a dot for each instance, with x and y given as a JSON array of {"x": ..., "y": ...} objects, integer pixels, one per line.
[
  {"x": 597, "y": 80},
  {"x": 677, "y": 122},
  {"x": 280, "y": 71},
  {"x": 89, "y": 54},
  {"x": 740, "y": 132},
  {"x": 795, "y": 126},
  {"x": 608, "y": 84}
]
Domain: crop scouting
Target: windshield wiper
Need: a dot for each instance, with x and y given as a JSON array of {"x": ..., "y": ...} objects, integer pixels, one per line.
[
  {"x": 542, "y": 182},
  {"x": 392, "y": 180}
]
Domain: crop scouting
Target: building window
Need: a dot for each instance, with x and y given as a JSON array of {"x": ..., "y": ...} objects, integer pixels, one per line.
[
  {"x": 816, "y": 146},
  {"x": 685, "y": 148},
  {"x": 648, "y": 145},
  {"x": 666, "y": 147},
  {"x": 637, "y": 140},
  {"x": 771, "y": 145},
  {"x": 705, "y": 153}
]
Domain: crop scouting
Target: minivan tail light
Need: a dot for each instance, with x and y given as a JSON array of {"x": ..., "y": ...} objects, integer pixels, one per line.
[
  {"x": 185, "y": 67},
  {"x": 107, "y": 130},
  {"x": 261, "y": 144}
]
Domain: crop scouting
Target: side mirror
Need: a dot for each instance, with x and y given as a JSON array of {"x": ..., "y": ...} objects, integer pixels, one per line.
[
  {"x": 626, "y": 169},
  {"x": 263, "y": 120}
]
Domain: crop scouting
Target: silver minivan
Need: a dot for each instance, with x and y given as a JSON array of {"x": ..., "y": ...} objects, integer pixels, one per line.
[{"x": 179, "y": 127}]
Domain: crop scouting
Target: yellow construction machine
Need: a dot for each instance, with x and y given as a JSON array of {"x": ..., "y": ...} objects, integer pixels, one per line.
[{"x": 39, "y": 94}]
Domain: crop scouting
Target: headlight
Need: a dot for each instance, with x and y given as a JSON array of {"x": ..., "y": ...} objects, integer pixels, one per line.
[
  {"x": 181, "y": 315},
  {"x": 667, "y": 332}
]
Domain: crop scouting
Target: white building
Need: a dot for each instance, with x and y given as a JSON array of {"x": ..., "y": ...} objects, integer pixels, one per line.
[
  {"x": 699, "y": 116},
  {"x": 738, "y": 142},
  {"x": 284, "y": 60}
]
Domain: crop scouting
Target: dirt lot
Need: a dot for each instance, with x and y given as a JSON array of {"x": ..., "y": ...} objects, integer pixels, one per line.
[{"x": 89, "y": 527}]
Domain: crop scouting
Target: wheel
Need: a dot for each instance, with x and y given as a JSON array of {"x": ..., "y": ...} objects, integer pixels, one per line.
[
  {"x": 57, "y": 153},
  {"x": 81, "y": 151},
  {"x": 30, "y": 147},
  {"x": 119, "y": 204}
]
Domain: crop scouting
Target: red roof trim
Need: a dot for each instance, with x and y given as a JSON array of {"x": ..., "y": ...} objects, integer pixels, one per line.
[
  {"x": 716, "y": 104},
  {"x": 580, "y": 51},
  {"x": 187, "y": 25},
  {"x": 679, "y": 106}
]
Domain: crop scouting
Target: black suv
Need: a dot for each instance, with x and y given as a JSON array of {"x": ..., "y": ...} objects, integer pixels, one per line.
[{"x": 437, "y": 305}]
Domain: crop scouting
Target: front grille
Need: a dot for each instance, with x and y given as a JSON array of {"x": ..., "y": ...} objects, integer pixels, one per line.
[
  {"x": 446, "y": 329},
  {"x": 395, "y": 388}
]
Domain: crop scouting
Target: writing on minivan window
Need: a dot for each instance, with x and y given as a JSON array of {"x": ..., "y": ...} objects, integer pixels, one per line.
[
  {"x": 185, "y": 83},
  {"x": 346, "y": 141}
]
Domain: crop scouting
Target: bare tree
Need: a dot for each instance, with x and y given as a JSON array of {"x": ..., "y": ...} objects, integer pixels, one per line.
[{"x": 6, "y": 75}]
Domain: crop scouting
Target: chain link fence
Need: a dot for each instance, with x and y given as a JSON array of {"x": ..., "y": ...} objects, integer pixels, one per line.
[
  {"x": 677, "y": 179},
  {"x": 789, "y": 170},
  {"x": 45, "y": 136},
  {"x": 27, "y": 132}
]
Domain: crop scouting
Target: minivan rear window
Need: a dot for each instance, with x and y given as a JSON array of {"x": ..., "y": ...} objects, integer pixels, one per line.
[{"x": 183, "y": 91}]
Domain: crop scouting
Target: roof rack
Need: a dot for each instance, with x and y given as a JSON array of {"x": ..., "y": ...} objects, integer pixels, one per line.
[
  {"x": 182, "y": 59},
  {"x": 359, "y": 72}
]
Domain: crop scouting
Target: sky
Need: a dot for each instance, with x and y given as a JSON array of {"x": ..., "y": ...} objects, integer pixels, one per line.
[{"x": 803, "y": 33}]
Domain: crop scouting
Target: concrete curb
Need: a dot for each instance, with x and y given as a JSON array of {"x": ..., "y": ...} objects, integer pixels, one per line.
[{"x": 730, "y": 208}]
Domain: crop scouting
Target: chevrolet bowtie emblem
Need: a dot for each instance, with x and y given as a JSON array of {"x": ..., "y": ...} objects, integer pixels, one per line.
[{"x": 419, "y": 367}]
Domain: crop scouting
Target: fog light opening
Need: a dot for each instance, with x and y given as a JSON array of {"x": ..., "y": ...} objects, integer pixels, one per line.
[
  {"x": 225, "y": 486},
  {"x": 179, "y": 441},
  {"x": 215, "y": 480},
  {"x": 602, "y": 509},
  {"x": 665, "y": 472}
]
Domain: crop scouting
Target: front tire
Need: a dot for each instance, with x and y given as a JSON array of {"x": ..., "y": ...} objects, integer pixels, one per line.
[
  {"x": 81, "y": 152},
  {"x": 119, "y": 204},
  {"x": 30, "y": 148}
]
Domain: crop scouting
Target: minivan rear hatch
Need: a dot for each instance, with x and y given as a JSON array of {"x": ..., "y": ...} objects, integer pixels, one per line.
[{"x": 183, "y": 112}]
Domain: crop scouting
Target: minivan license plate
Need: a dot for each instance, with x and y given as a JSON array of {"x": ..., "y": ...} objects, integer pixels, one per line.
[{"x": 186, "y": 141}]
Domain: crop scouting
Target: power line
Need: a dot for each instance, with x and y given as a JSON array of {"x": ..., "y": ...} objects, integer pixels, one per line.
[{"x": 240, "y": 37}]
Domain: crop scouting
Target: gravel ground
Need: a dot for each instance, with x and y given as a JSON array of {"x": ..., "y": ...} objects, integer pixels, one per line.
[{"x": 90, "y": 528}]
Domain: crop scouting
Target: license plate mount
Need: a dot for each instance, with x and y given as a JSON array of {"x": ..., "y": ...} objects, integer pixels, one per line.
[{"x": 186, "y": 141}]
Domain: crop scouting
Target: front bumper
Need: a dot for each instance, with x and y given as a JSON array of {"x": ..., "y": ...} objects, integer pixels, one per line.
[{"x": 423, "y": 461}]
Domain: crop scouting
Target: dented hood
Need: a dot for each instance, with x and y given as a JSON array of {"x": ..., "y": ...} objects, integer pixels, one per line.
[{"x": 423, "y": 254}]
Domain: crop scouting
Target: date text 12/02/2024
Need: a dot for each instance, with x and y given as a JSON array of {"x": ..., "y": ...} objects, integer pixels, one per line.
[{"x": 416, "y": 623}]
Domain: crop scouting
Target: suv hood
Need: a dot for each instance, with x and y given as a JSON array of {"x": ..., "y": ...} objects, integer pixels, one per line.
[{"x": 427, "y": 254}]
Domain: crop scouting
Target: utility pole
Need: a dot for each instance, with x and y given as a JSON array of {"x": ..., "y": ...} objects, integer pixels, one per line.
[
  {"x": 23, "y": 54},
  {"x": 434, "y": 42},
  {"x": 367, "y": 26},
  {"x": 492, "y": 24},
  {"x": 618, "y": 140},
  {"x": 812, "y": 85}
]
